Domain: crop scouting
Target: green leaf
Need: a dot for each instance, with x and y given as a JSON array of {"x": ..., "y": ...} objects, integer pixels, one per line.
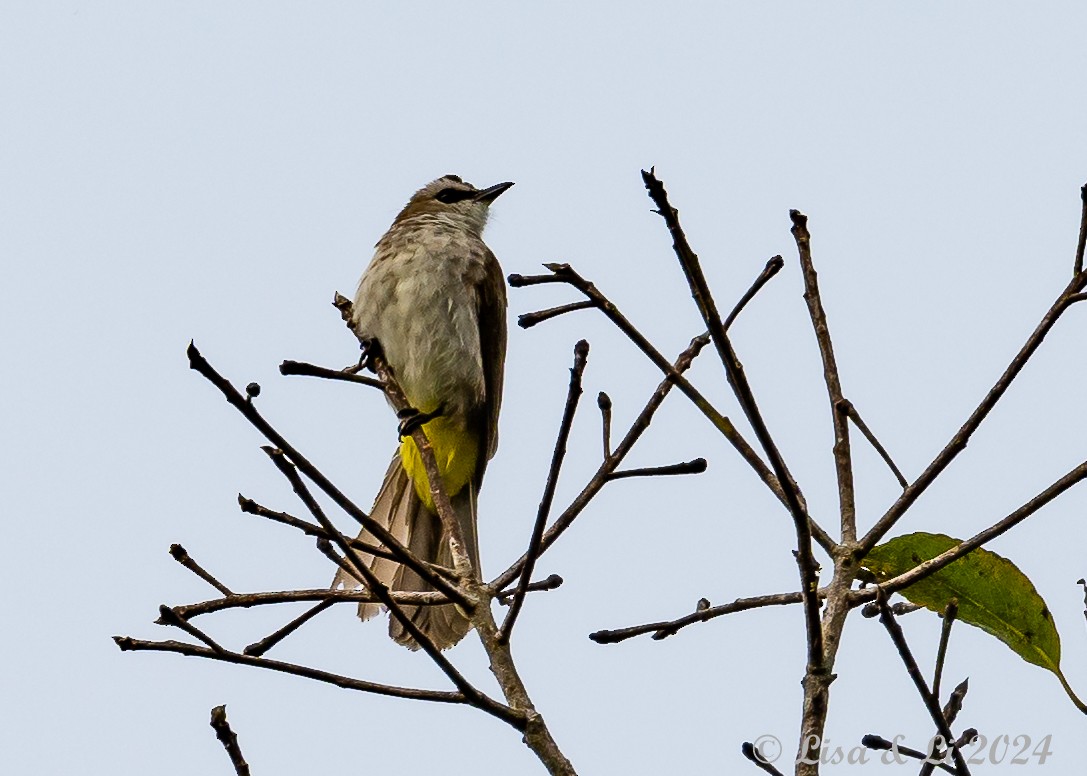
[{"x": 993, "y": 595}]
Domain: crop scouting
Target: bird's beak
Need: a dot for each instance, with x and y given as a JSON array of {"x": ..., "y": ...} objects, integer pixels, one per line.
[{"x": 491, "y": 193}]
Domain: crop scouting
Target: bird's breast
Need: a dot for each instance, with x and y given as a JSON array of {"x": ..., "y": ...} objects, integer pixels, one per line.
[{"x": 418, "y": 300}]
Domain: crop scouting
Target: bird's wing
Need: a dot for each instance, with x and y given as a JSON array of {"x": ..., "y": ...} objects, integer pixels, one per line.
[{"x": 492, "y": 341}]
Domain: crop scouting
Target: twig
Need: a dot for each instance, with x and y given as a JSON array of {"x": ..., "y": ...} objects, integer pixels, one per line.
[
  {"x": 933, "y": 565},
  {"x": 603, "y": 401},
  {"x": 168, "y": 616},
  {"x": 773, "y": 266},
  {"x": 1077, "y": 267},
  {"x": 550, "y": 583},
  {"x": 474, "y": 696},
  {"x": 700, "y": 290},
  {"x": 573, "y": 395},
  {"x": 312, "y": 370},
  {"x": 251, "y": 507},
  {"x": 954, "y": 702},
  {"x": 259, "y": 648},
  {"x": 846, "y": 406},
  {"x": 528, "y": 320},
  {"x": 950, "y": 613},
  {"x": 229, "y": 740},
  {"x": 748, "y": 750},
  {"x": 198, "y": 363},
  {"x": 962, "y": 436},
  {"x": 564, "y": 273},
  {"x": 871, "y": 609},
  {"x": 324, "y": 546},
  {"x": 181, "y": 556},
  {"x": 843, "y": 461},
  {"x": 930, "y": 701},
  {"x": 951, "y": 711},
  {"x": 661, "y": 630},
  {"x": 881, "y": 744},
  {"x": 609, "y": 464},
  {"x": 697, "y": 466},
  {"x": 129, "y": 644},
  {"x": 249, "y": 600}
]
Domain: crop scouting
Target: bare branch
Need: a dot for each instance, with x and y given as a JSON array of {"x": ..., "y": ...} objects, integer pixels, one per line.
[
  {"x": 312, "y": 370},
  {"x": 168, "y": 616},
  {"x": 951, "y": 711},
  {"x": 528, "y": 320},
  {"x": 846, "y": 406},
  {"x": 843, "y": 462},
  {"x": 962, "y": 436},
  {"x": 951, "y": 611},
  {"x": 697, "y": 466},
  {"x": 474, "y": 696},
  {"x": 1077, "y": 267},
  {"x": 259, "y": 648},
  {"x": 880, "y": 744},
  {"x": 564, "y": 273},
  {"x": 550, "y": 583},
  {"x": 573, "y": 395},
  {"x": 181, "y": 556},
  {"x": 700, "y": 290},
  {"x": 773, "y": 266},
  {"x": 871, "y": 609},
  {"x": 702, "y": 613},
  {"x": 609, "y": 465},
  {"x": 603, "y": 401},
  {"x": 229, "y": 740},
  {"x": 249, "y": 600},
  {"x": 200, "y": 364},
  {"x": 251, "y": 507},
  {"x": 932, "y": 704},
  {"x": 749, "y": 751},
  {"x": 933, "y": 565},
  {"x": 129, "y": 644},
  {"x": 954, "y": 701}
]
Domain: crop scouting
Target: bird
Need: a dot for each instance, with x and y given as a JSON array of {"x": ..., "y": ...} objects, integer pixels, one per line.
[{"x": 434, "y": 299}]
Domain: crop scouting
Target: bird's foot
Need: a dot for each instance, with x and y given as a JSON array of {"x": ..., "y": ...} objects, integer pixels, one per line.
[
  {"x": 371, "y": 349},
  {"x": 411, "y": 419}
]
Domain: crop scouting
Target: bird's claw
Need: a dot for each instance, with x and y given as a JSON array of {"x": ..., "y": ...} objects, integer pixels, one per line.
[{"x": 411, "y": 419}]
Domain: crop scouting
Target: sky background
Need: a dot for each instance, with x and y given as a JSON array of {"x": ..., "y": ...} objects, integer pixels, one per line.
[{"x": 174, "y": 171}]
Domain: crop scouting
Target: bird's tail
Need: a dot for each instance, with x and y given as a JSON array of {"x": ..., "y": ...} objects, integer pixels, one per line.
[{"x": 400, "y": 511}]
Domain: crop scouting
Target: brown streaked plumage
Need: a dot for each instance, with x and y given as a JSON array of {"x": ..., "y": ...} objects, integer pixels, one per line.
[{"x": 434, "y": 297}]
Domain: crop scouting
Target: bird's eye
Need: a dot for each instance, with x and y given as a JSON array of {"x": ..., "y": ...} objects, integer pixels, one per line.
[{"x": 451, "y": 195}]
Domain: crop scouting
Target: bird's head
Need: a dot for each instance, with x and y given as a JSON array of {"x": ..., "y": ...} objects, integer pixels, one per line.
[{"x": 453, "y": 199}]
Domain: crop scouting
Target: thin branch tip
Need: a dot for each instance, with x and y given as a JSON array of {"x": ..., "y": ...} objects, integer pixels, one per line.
[
  {"x": 196, "y": 360},
  {"x": 535, "y": 545},
  {"x": 528, "y": 320}
]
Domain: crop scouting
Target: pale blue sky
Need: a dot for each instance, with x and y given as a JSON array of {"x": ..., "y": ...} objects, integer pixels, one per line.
[{"x": 208, "y": 171}]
